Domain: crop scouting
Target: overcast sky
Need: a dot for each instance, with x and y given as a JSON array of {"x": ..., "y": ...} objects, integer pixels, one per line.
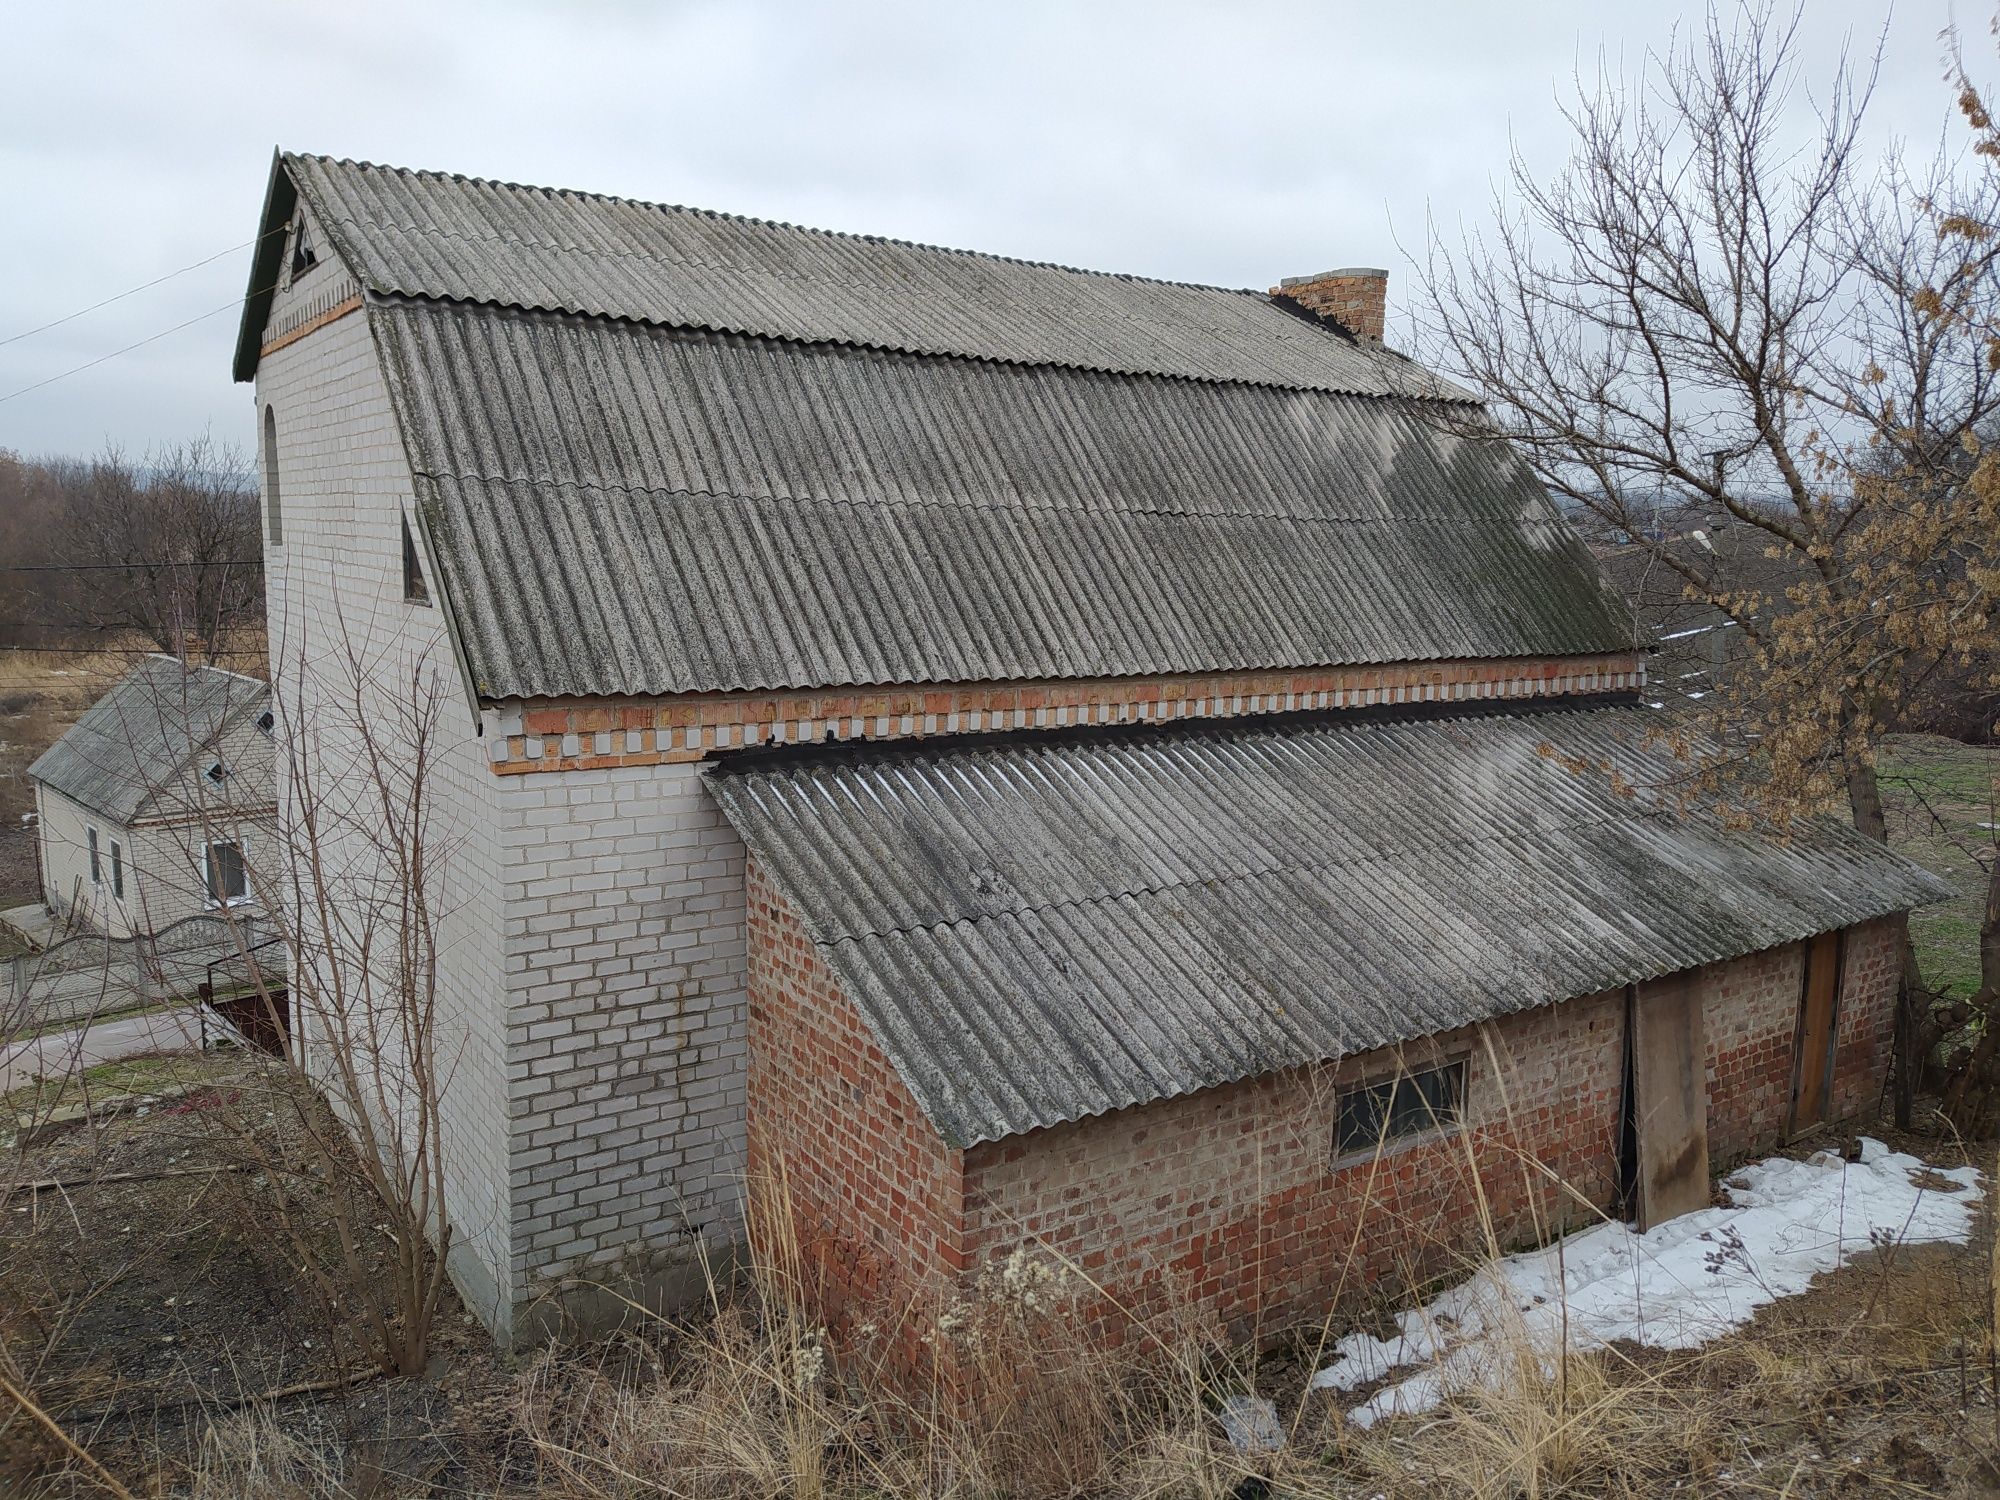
[{"x": 1227, "y": 143}]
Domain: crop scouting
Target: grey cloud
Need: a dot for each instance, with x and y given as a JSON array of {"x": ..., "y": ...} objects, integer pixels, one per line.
[{"x": 1229, "y": 143}]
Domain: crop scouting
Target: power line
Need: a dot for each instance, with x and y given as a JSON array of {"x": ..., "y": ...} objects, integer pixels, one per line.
[
  {"x": 139, "y": 344},
  {"x": 127, "y": 567},
  {"x": 55, "y": 625},
  {"x": 79, "y": 650},
  {"x": 134, "y": 291}
]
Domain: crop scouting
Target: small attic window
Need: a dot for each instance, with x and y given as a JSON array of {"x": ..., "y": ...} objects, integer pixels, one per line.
[
  {"x": 304, "y": 257},
  {"x": 216, "y": 772},
  {"x": 266, "y": 722},
  {"x": 415, "y": 588}
]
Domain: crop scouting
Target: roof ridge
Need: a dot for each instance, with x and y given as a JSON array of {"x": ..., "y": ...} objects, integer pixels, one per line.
[
  {"x": 190, "y": 668},
  {"x": 763, "y": 223},
  {"x": 1438, "y": 396}
]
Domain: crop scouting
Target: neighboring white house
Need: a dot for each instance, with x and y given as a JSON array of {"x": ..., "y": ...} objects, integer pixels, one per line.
[{"x": 156, "y": 803}]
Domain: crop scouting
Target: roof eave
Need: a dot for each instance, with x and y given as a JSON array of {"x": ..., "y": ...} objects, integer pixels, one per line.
[{"x": 280, "y": 198}]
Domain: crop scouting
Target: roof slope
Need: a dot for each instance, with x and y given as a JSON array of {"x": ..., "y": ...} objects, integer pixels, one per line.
[
  {"x": 1048, "y": 928},
  {"x": 659, "y": 450},
  {"x": 437, "y": 235},
  {"x": 130, "y": 744},
  {"x": 623, "y": 509}
]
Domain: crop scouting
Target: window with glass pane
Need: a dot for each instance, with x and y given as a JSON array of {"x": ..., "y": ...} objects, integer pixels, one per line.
[
  {"x": 1394, "y": 1107},
  {"x": 226, "y": 880}
]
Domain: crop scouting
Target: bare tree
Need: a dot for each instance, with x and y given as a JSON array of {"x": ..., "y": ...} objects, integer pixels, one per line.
[
  {"x": 357, "y": 895},
  {"x": 1712, "y": 312},
  {"x": 169, "y": 550}
]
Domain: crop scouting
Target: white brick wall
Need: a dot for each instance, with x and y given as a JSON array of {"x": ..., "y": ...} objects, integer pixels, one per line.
[
  {"x": 334, "y": 600},
  {"x": 594, "y": 977},
  {"x": 625, "y": 1048}
]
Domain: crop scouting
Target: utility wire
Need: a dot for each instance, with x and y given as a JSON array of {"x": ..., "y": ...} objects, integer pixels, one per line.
[
  {"x": 126, "y": 567},
  {"x": 140, "y": 344},
  {"x": 28, "y": 333}
]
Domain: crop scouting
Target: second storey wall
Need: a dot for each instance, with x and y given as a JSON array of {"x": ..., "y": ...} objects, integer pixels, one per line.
[{"x": 336, "y": 615}]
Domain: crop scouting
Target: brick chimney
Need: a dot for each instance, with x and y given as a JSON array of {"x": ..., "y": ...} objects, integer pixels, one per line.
[{"x": 1356, "y": 297}]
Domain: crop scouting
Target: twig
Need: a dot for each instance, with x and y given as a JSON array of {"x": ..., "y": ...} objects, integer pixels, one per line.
[
  {"x": 64, "y": 1184},
  {"x": 49, "y": 1425},
  {"x": 123, "y": 1409}
]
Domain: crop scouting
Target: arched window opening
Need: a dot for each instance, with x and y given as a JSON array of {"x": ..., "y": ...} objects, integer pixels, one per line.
[{"x": 273, "y": 513}]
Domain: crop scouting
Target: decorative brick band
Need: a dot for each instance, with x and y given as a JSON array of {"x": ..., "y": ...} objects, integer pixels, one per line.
[
  {"x": 588, "y": 734},
  {"x": 312, "y": 324}
]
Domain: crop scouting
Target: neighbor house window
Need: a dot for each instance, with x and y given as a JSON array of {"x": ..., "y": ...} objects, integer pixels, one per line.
[
  {"x": 96, "y": 863},
  {"x": 273, "y": 513},
  {"x": 414, "y": 587},
  {"x": 226, "y": 882},
  {"x": 1391, "y": 1108},
  {"x": 117, "y": 870},
  {"x": 266, "y": 722}
]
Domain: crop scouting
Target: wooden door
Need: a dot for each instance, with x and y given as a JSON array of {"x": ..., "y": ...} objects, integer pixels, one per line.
[
  {"x": 1669, "y": 1099},
  {"x": 1819, "y": 1013}
]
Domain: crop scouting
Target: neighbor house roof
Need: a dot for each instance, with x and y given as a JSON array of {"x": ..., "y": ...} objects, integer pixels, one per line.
[
  {"x": 658, "y": 450},
  {"x": 133, "y": 742},
  {"x": 1045, "y": 928}
]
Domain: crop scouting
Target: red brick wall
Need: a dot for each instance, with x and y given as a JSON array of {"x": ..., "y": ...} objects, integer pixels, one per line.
[
  {"x": 1228, "y": 1201},
  {"x": 873, "y": 1192},
  {"x": 1749, "y": 1014},
  {"x": 1870, "y": 969}
]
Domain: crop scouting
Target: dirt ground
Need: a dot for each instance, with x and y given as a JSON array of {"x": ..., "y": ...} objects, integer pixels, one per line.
[
  {"x": 147, "y": 1296},
  {"x": 145, "y": 1312}
]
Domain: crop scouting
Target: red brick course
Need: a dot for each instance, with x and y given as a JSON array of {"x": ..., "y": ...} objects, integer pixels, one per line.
[
  {"x": 573, "y": 735},
  {"x": 1229, "y": 1202}
]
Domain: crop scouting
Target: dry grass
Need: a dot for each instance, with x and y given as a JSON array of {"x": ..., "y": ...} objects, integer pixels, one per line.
[
  {"x": 1852, "y": 1389},
  {"x": 1875, "y": 1382}
]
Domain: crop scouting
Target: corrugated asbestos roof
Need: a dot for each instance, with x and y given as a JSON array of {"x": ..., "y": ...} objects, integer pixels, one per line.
[
  {"x": 621, "y": 509},
  {"x": 1047, "y": 928},
  {"x": 658, "y": 450},
  {"x": 435, "y": 235},
  {"x": 131, "y": 743}
]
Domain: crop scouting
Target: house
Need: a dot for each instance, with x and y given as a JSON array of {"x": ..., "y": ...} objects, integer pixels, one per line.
[
  {"x": 1024, "y": 755},
  {"x": 152, "y": 807}
]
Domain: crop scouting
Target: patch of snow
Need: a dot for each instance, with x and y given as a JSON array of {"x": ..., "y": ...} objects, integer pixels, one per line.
[{"x": 1679, "y": 1285}]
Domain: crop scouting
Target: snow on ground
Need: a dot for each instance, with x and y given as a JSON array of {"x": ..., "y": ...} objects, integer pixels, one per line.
[{"x": 1685, "y": 1282}]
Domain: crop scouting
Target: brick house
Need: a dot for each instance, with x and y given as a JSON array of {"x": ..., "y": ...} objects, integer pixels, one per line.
[
  {"x": 1043, "y": 756},
  {"x": 154, "y": 805}
]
